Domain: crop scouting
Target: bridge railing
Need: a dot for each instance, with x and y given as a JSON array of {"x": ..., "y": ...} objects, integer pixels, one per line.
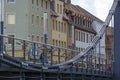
[
  {"x": 36, "y": 52},
  {"x": 45, "y": 54}
]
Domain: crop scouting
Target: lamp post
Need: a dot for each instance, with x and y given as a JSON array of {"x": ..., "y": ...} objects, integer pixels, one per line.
[
  {"x": 45, "y": 38},
  {"x": 1, "y": 29},
  {"x": 73, "y": 45},
  {"x": 73, "y": 42},
  {"x": 45, "y": 28}
]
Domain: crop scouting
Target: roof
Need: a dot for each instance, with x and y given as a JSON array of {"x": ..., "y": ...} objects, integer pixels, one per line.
[
  {"x": 72, "y": 8},
  {"x": 80, "y": 11},
  {"x": 86, "y": 13}
]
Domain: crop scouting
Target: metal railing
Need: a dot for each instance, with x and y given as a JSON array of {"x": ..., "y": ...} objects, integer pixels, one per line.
[{"x": 40, "y": 54}]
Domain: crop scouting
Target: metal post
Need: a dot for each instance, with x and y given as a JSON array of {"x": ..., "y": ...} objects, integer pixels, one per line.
[
  {"x": 102, "y": 64},
  {"x": 58, "y": 74},
  {"x": 87, "y": 61},
  {"x": 117, "y": 42},
  {"x": 45, "y": 28},
  {"x": 73, "y": 45},
  {"x": 65, "y": 55},
  {"x": 83, "y": 77},
  {"x": 1, "y": 38},
  {"x": 95, "y": 60},
  {"x": 99, "y": 57},
  {"x": 34, "y": 49},
  {"x": 45, "y": 37},
  {"x": 71, "y": 78},
  {"x": 24, "y": 49},
  {"x": 22, "y": 74},
  {"x": 42, "y": 75},
  {"x": 105, "y": 65},
  {"x": 13, "y": 47},
  {"x": 51, "y": 55},
  {"x": 2, "y": 29},
  {"x": 59, "y": 55},
  {"x": 91, "y": 62}
]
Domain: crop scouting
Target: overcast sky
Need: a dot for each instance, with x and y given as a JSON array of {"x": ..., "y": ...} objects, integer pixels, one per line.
[{"x": 98, "y": 8}]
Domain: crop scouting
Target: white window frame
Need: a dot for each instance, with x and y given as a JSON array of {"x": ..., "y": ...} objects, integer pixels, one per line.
[{"x": 10, "y": 13}]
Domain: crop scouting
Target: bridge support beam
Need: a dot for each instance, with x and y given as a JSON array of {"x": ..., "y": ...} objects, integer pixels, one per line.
[{"x": 116, "y": 68}]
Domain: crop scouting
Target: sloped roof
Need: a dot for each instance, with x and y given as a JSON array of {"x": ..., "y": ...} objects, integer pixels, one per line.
[
  {"x": 79, "y": 10},
  {"x": 72, "y": 8},
  {"x": 88, "y": 14}
]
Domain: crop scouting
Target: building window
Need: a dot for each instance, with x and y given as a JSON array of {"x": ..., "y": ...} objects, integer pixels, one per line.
[
  {"x": 37, "y": 2},
  {"x": 41, "y": 39},
  {"x": 32, "y": 37},
  {"x": 46, "y": 4},
  {"x": 32, "y": 2},
  {"x": 89, "y": 24},
  {"x": 41, "y": 3},
  {"x": 82, "y": 36},
  {"x": 64, "y": 27},
  {"x": 32, "y": 19},
  {"x": 79, "y": 36},
  {"x": 56, "y": 25},
  {"x": 59, "y": 26},
  {"x": 11, "y": 1},
  {"x": 65, "y": 44},
  {"x": 77, "y": 32},
  {"x": 62, "y": 43},
  {"x": 47, "y": 23},
  {"x": 42, "y": 21},
  {"x": 37, "y": 20},
  {"x": 58, "y": 8},
  {"x": 10, "y": 18},
  {"x": 53, "y": 42},
  {"x": 56, "y": 43},
  {"x": 10, "y": 40},
  {"x": 38, "y": 39},
  {"x": 75, "y": 35},
  {"x": 59, "y": 44},
  {"x": 53, "y": 25},
  {"x": 84, "y": 22},
  {"x": 87, "y": 38}
]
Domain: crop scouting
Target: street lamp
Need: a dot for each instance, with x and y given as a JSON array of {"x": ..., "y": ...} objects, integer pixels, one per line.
[
  {"x": 45, "y": 27},
  {"x": 45, "y": 38}
]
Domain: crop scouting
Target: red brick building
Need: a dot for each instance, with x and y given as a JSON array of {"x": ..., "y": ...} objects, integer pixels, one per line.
[{"x": 109, "y": 45}]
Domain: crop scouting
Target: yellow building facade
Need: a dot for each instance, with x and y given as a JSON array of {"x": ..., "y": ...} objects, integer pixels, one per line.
[{"x": 59, "y": 28}]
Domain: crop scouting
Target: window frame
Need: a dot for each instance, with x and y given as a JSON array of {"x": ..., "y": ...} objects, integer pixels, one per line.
[
  {"x": 33, "y": 19},
  {"x": 10, "y": 13},
  {"x": 37, "y": 20}
]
